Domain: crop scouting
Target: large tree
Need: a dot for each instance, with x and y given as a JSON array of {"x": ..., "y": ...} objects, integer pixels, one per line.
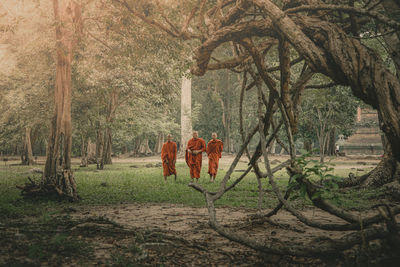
[
  {"x": 325, "y": 37},
  {"x": 58, "y": 176}
]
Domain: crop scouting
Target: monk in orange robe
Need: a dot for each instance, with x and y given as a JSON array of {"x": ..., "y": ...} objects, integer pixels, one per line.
[
  {"x": 168, "y": 157},
  {"x": 194, "y": 150},
  {"x": 214, "y": 153}
]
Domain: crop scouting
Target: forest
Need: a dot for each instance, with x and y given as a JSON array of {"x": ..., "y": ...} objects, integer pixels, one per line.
[{"x": 90, "y": 89}]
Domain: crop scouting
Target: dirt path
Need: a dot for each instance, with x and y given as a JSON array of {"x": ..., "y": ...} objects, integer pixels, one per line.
[{"x": 202, "y": 246}]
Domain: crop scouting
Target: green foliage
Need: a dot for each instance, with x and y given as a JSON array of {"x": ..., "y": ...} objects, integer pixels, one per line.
[
  {"x": 326, "y": 110},
  {"x": 320, "y": 173}
]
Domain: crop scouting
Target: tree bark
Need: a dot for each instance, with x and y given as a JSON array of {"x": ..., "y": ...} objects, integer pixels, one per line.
[
  {"x": 186, "y": 112},
  {"x": 58, "y": 176},
  {"x": 159, "y": 143},
  {"x": 99, "y": 147},
  {"x": 107, "y": 149},
  {"x": 271, "y": 147},
  {"x": 91, "y": 151},
  {"x": 144, "y": 148},
  {"x": 307, "y": 146},
  {"x": 387, "y": 171},
  {"x": 227, "y": 99},
  {"x": 330, "y": 145},
  {"x": 84, "y": 160},
  {"x": 27, "y": 156}
]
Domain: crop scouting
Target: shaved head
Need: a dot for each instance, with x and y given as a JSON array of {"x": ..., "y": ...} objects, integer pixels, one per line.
[
  {"x": 169, "y": 137},
  {"x": 214, "y": 136},
  {"x": 195, "y": 134}
]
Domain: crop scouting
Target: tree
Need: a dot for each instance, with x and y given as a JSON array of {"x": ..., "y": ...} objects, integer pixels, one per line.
[
  {"x": 186, "y": 112},
  {"x": 312, "y": 32},
  {"x": 57, "y": 176},
  {"x": 25, "y": 83},
  {"x": 332, "y": 109}
]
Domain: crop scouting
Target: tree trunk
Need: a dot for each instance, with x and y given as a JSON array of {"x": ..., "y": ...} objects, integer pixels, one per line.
[
  {"x": 271, "y": 148},
  {"x": 387, "y": 171},
  {"x": 99, "y": 147},
  {"x": 84, "y": 159},
  {"x": 321, "y": 149},
  {"x": 91, "y": 152},
  {"x": 330, "y": 143},
  {"x": 107, "y": 149},
  {"x": 327, "y": 49},
  {"x": 144, "y": 148},
  {"x": 138, "y": 141},
  {"x": 186, "y": 112},
  {"x": 307, "y": 145},
  {"x": 27, "y": 155},
  {"x": 16, "y": 150},
  {"x": 159, "y": 143},
  {"x": 58, "y": 177},
  {"x": 227, "y": 99}
]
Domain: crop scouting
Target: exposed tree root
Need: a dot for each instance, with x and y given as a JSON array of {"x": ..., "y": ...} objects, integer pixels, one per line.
[
  {"x": 387, "y": 171},
  {"x": 63, "y": 187}
]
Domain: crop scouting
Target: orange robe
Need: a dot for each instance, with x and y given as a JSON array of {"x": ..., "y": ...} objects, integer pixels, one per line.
[
  {"x": 214, "y": 151},
  {"x": 194, "y": 161},
  {"x": 168, "y": 157}
]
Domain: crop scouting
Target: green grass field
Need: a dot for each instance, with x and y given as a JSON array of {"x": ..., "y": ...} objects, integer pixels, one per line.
[{"x": 121, "y": 183}]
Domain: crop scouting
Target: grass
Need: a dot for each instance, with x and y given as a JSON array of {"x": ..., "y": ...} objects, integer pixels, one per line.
[
  {"x": 121, "y": 183},
  {"x": 39, "y": 232}
]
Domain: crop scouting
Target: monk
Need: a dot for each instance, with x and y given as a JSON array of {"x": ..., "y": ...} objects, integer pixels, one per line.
[
  {"x": 214, "y": 153},
  {"x": 194, "y": 150},
  {"x": 168, "y": 157}
]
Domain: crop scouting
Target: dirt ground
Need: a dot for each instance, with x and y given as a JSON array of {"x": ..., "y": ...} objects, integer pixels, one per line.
[
  {"x": 194, "y": 243},
  {"x": 203, "y": 246}
]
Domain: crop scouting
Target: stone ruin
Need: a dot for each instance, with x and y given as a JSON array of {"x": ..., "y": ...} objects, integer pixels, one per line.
[{"x": 367, "y": 139}]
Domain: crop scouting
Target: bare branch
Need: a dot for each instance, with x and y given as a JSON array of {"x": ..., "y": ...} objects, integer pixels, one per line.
[{"x": 148, "y": 20}]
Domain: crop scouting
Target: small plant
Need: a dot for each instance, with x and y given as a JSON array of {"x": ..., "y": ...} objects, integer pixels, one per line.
[{"x": 314, "y": 170}]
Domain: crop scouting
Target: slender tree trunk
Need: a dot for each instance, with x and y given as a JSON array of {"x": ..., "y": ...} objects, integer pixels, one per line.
[
  {"x": 159, "y": 143},
  {"x": 84, "y": 158},
  {"x": 107, "y": 150},
  {"x": 330, "y": 144},
  {"x": 307, "y": 145},
  {"x": 228, "y": 115},
  {"x": 16, "y": 150},
  {"x": 271, "y": 148},
  {"x": 27, "y": 155},
  {"x": 137, "y": 145},
  {"x": 99, "y": 147},
  {"x": 321, "y": 148},
  {"x": 186, "y": 112},
  {"x": 57, "y": 173}
]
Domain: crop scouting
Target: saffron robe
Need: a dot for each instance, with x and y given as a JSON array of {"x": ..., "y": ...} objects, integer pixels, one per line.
[
  {"x": 214, "y": 153},
  {"x": 168, "y": 157},
  {"x": 194, "y": 161}
]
